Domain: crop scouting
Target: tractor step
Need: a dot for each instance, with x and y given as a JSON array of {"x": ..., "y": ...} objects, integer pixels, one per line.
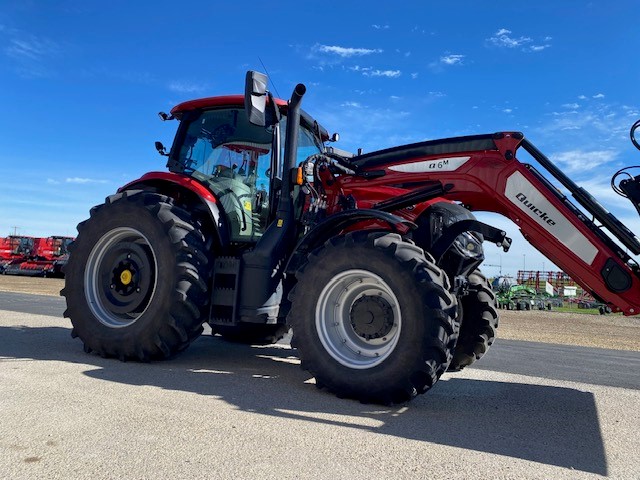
[{"x": 224, "y": 291}]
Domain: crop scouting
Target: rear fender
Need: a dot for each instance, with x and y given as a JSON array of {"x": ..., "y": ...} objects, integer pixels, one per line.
[{"x": 189, "y": 193}]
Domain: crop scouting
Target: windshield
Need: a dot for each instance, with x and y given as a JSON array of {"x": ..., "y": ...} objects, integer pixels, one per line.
[
  {"x": 223, "y": 143},
  {"x": 308, "y": 143}
]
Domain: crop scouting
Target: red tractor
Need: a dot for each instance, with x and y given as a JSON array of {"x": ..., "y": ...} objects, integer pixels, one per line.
[
  {"x": 46, "y": 258},
  {"x": 372, "y": 259}
]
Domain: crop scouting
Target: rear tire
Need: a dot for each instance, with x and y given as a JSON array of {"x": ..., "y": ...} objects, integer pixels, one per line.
[
  {"x": 136, "y": 280},
  {"x": 373, "y": 318},
  {"x": 480, "y": 320}
]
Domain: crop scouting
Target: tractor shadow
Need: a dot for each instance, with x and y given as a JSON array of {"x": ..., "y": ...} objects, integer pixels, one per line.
[{"x": 550, "y": 425}]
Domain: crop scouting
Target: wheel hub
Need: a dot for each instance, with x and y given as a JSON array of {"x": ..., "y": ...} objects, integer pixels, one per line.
[
  {"x": 129, "y": 265},
  {"x": 125, "y": 278},
  {"x": 371, "y": 317},
  {"x": 358, "y": 319},
  {"x": 121, "y": 277}
]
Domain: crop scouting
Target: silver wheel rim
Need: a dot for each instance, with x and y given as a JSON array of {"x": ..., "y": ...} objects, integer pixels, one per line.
[
  {"x": 113, "y": 300},
  {"x": 352, "y": 343}
]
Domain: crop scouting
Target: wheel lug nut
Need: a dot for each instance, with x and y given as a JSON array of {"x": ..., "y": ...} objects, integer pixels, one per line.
[{"x": 112, "y": 286}]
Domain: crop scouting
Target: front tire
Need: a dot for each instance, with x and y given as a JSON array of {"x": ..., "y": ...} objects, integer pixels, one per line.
[
  {"x": 479, "y": 322},
  {"x": 373, "y": 318},
  {"x": 136, "y": 279}
]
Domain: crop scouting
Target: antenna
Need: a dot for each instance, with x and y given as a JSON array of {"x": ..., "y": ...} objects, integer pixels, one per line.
[{"x": 271, "y": 79}]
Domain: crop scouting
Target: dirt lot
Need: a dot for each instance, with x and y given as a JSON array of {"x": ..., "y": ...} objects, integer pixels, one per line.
[
  {"x": 39, "y": 286},
  {"x": 602, "y": 331}
]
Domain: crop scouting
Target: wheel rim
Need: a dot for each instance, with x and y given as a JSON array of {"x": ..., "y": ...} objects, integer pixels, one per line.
[
  {"x": 358, "y": 319},
  {"x": 120, "y": 277}
]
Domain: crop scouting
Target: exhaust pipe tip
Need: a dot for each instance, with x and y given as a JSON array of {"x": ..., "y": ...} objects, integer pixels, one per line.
[{"x": 297, "y": 94}]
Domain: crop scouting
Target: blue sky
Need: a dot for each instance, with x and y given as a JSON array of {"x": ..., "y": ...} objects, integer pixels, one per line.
[{"x": 81, "y": 83}]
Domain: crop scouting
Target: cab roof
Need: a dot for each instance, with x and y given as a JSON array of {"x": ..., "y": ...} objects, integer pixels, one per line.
[{"x": 238, "y": 101}]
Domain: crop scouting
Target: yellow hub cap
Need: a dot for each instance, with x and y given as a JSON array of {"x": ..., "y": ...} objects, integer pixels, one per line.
[{"x": 125, "y": 277}]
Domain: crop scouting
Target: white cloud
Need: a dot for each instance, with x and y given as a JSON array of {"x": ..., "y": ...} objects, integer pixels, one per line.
[
  {"x": 597, "y": 125},
  {"x": 351, "y": 104},
  {"x": 598, "y": 95},
  {"x": 580, "y": 160},
  {"x": 346, "y": 52},
  {"x": 383, "y": 73},
  {"x": 507, "y": 110},
  {"x": 31, "y": 48},
  {"x": 503, "y": 38},
  {"x": 538, "y": 48},
  {"x": 571, "y": 106},
  {"x": 186, "y": 87},
  {"x": 414, "y": 75},
  {"x": 31, "y": 54},
  {"x": 51, "y": 181},
  {"x": 83, "y": 181},
  {"x": 371, "y": 72},
  {"x": 380, "y": 27},
  {"x": 452, "y": 59},
  {"x": 582, "y": 97}
]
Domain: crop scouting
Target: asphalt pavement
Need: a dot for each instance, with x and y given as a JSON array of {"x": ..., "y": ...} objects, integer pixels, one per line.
[{"x": 221, "y": 410}]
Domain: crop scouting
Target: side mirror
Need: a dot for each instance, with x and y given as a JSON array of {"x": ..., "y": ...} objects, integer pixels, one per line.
[
  {"x": 161, "y": 150},
  {"x": 255, "y": 97}
]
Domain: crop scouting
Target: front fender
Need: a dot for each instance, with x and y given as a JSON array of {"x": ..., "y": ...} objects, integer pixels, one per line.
[{"x": 335, "y": 224}]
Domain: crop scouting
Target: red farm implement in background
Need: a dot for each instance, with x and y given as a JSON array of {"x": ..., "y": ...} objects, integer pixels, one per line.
[
  {"x": 37, "y": 257},
  {"x": 14, "y": 249}
]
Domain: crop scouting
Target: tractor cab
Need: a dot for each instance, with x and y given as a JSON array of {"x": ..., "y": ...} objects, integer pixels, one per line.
[{"x": 241, "y": 163}]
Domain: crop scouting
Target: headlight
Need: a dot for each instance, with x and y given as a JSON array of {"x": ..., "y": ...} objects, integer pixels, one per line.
[{"x": 468, "y": 245}]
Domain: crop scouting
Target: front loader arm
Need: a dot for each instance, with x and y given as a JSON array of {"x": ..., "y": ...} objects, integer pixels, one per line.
[{"x": 495, "y": 180}]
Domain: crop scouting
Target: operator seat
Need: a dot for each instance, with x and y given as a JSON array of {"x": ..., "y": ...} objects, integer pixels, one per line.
[{"x": 237, "y": 202}]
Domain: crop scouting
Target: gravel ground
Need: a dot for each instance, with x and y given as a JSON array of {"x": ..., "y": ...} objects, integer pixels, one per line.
[{"x": 600, "y": 331}]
